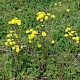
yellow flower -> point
(40, 16)
(14, 42)
(17, 49)
(46, 17)
(39, 45)
(41, 20)
(6, 43)
(52, 16)
(68, 10)
(29, 37)
(18, 22)
(59, 3)
(73, 32)
(31, 30)
(15, 21)
(34, 32)
(16, 36)
(43, 33)
(77, 38)
(77, 41)
(11, 22)
(30, 41)
(16, 46)
(48, 14)
(66, 35)
(12, 39)
(21, 47)
(55, 4)
(52, 42)
(37, 18)
(10, 42)
(42, 25)
(37, 26)
(41, 13)
(9, 35)
(13, 48)
(70, 34)
(11, 31)
(32, 35)
(67, 29)
(76, 34)
(19, 9)
(27, 31)
(73, 38)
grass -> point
(50, 62)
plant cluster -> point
(41, 42)
(73, 34)
(43, 16)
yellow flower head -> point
(17, 49)
(55, 4)
(70, 34)
(9, 35)
(52, 16)
(30, 41)
(39, 45)
(43, 25)
(15, 35)
(11, 31)
(31, 30)
(77, 38)
(41, 20)
(73, 32)
(27, 31)
(34, 32)
(19, 9)
(17, 46)
(68, 10)
(11, 43)
(32, 35)
(13, 48)
(15, 21)
(14, 42)
(29, 37)
(37, 26)
(77, 41)
(43, 33)
(52, 42)
(40, 16)
(67, 29)
(6, 43)
(46, 17)
(59, 2)
(8, 40)
(21, 47)
(39, 13)
(48, 14)
(66, 35)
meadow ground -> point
(39, 39)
